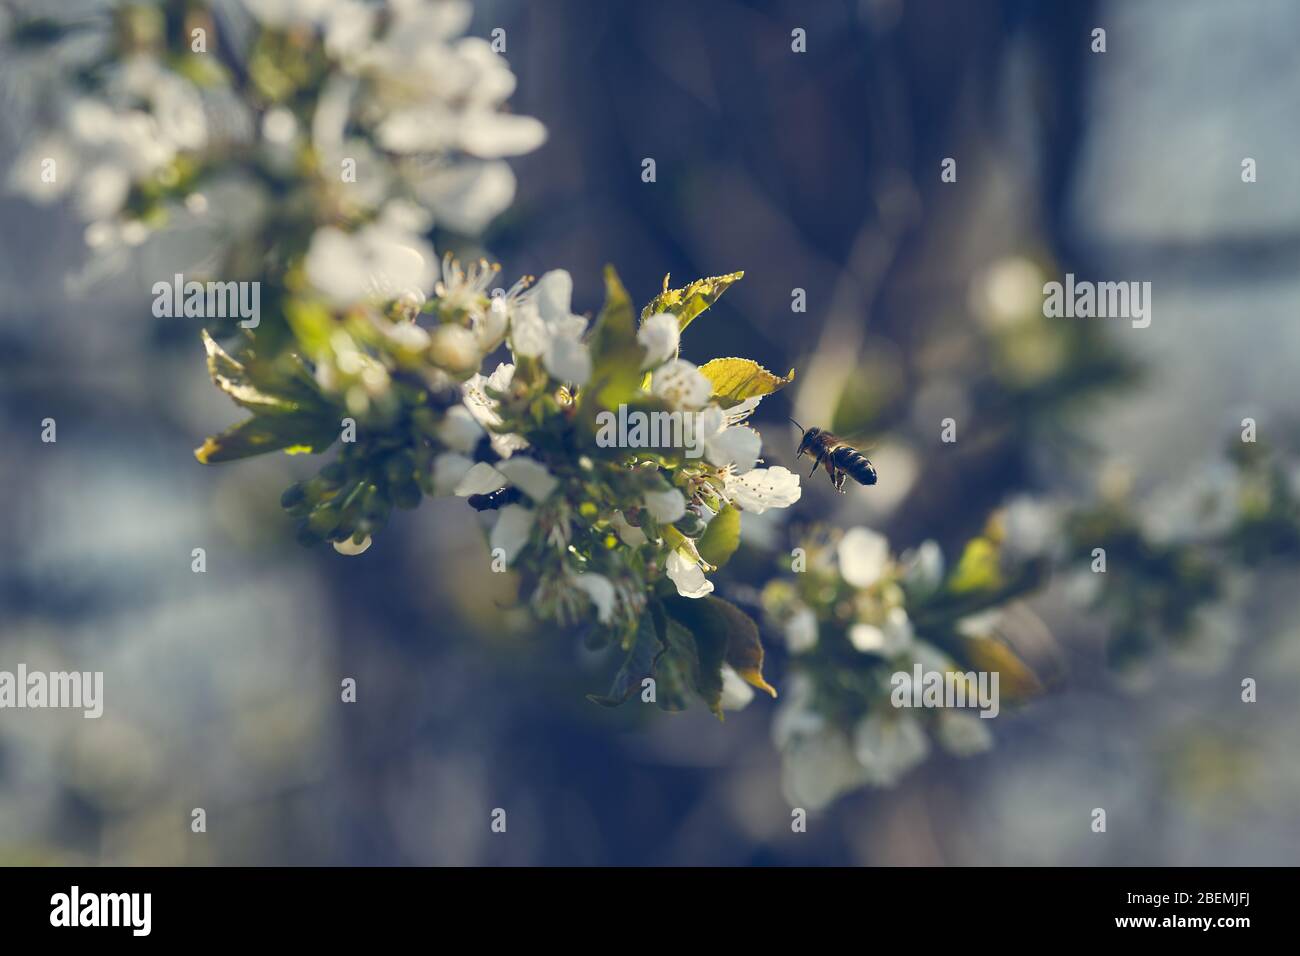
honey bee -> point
(841, 460)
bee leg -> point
(814, 469)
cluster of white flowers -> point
(539, 324)
(822, 759)
(141, 136)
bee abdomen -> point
(855, 464)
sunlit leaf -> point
(722, 537)
(978, 568)
(687, 303)
(736, 379)
(615, 353)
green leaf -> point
(638, 665)
(616, 355)
(690, 662)
(721, 538)
(263, 433)
(978, 568)
(689, 302)
(1016, 680)
(284, 385)
(722, 633)
(736, 379)
(233, 378)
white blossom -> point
(665, 506)
(458, 430)
(863, 556)
(801, 630)
(599, 589)
(659, 335)
(685, 572)
(736, 693)
(541, 324)
(762, 488)
(510, 533)
(481, 479)
(963, 734)
(887, 746)
(377, 263)
(449, 469)
(631, 536)
(683, 386)
(484, 408)
(529, 476)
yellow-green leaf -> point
(615, 353)
(688, 302)
(264, 433)
(233, 378)
(715, 622)
(1016, 680)
(978, 568)
(721, 538)
(736, 379)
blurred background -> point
(817, 171)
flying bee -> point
(840, 459)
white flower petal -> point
(742, 410)
(801, 631)
(552, 295)
(659, 335)
(666, 506)
(529, 334)
(567, 360)
(482, 479)
(529, 476)
(448, 472)
(511, 532)
(459, 430)
(465, 197)
(736, 694)
(681, 385)
(887, 746)
(491, 135)
(763, 488)
(631, 536)
(349, 548)
(737, 446)
(601, 592)
(867, 638)
(863, 556)
(923, 567)
(684, 572)
(963, 734)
